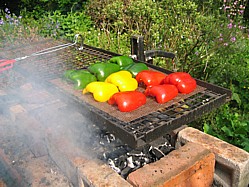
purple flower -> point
(225, 44)
(233, 39)
(230, 25)
(7, 16)
(227, 7)
(221, 37)
(1, 22)
(16, 21)
(241, 12)
(241, 27)
(6, 10)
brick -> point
(7, 167)
(2, 93)
(232, 163)
(82, 171)
(16, 109)
(27, 87)
(44, 173)
(63, 153)
(2, 184)
(190, 165)
(97, 174)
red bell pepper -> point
(128, 100)
(163, 92)
(150, 77)
(182, 80)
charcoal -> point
(122, 162)
(126, 171)
(157, 153)
(146, 149)
(130, 162)
(111, 163)
(142, 161)
(166, 149)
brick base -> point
(191, 165)
(232, 163)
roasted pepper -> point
(122, 61)
(123, 80)
(163, 92)
(101, 91)
(182, 80)
(128, 101)
(150, 77)
(103, 70)
(136, 68)
(80, 78)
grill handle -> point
(138, 53)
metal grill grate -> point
(142, 129)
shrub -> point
(12, 28)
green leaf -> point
(236, 97)
(206, 128)
(227, 131)
(245, 145)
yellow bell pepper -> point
(123, 80)
(101, 91)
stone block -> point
(232, 163)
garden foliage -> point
(209, 37)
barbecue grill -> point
(136, 128)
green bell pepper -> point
(122, 61)
(103, 70)
(80, 78)
(135, 68)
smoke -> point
(41, 116)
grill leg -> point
(137, 47)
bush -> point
(13, 29)
(228, 125)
